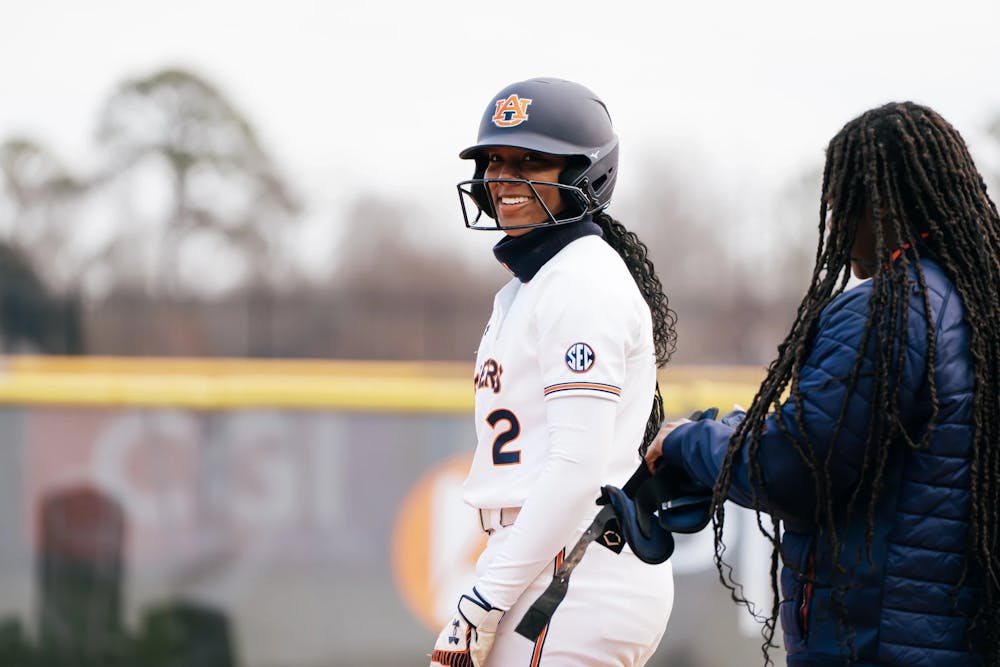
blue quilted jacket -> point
(905, 606)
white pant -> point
(614, 613)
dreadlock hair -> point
(910, 172)
(635, 254)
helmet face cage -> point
(553, 117)
(474, 196)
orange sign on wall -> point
(435, 543)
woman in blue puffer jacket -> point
(873, 444)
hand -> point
(469, 635)
(735, 416)
(656, 447)
(655, 450)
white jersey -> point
(579, 327)
(565, 382)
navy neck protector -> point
(525, 255)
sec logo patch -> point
(580, 357)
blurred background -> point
(239, 309)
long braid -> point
(908, 169)
(781, 372)
(635, 254)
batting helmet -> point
(648, 521)
(665, 503)
(555, 117)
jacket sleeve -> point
(802, 439)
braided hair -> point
(635, 254)
(909, 172)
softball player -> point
(566, 395)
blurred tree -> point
(40, 261)
(407, 299)
(31, 318)
(683, 220)
(796, 231)
(690, 232)
(228, 208)
(733, 267)
(42, 201)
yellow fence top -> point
(369, 386)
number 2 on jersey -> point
(500, 457)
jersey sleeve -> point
(583, 332)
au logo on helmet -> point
(511, 111)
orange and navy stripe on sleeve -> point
(587, 386)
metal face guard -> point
(474, 197)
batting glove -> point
(469, 636)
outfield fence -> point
(268, 513)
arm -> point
(789, 477)
(580, 430)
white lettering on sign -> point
(148, 461)
(257, 469)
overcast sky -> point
(380, 96)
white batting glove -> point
(469, 635)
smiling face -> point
(516, 203)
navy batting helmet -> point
(555, 117)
